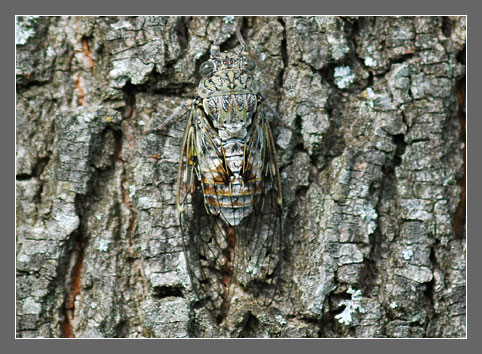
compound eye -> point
(249, 65)
(206, 68)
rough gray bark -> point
(373, 175)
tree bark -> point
(373, 175)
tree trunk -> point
(373, 175)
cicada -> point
(229, 193)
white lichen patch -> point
(281, 320)
(407, 254)
(103, 246)
(369, 215)
(229, 19)
(23, 29)
(343, 76)
(338, 46)
(351, 307)
(252, 269)
(369, 61)
(50, 52)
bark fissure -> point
(73, 286)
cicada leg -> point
(171, 117)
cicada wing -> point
(187, 201)
(259, 236)
(207, 239)
(188, 167)
(206, 250)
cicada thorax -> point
(230, 178)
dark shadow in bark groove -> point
(250, 328)
(167, 291)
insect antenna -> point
(240, 39)
(215, 49)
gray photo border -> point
(304, 7)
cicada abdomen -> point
(229, 193)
